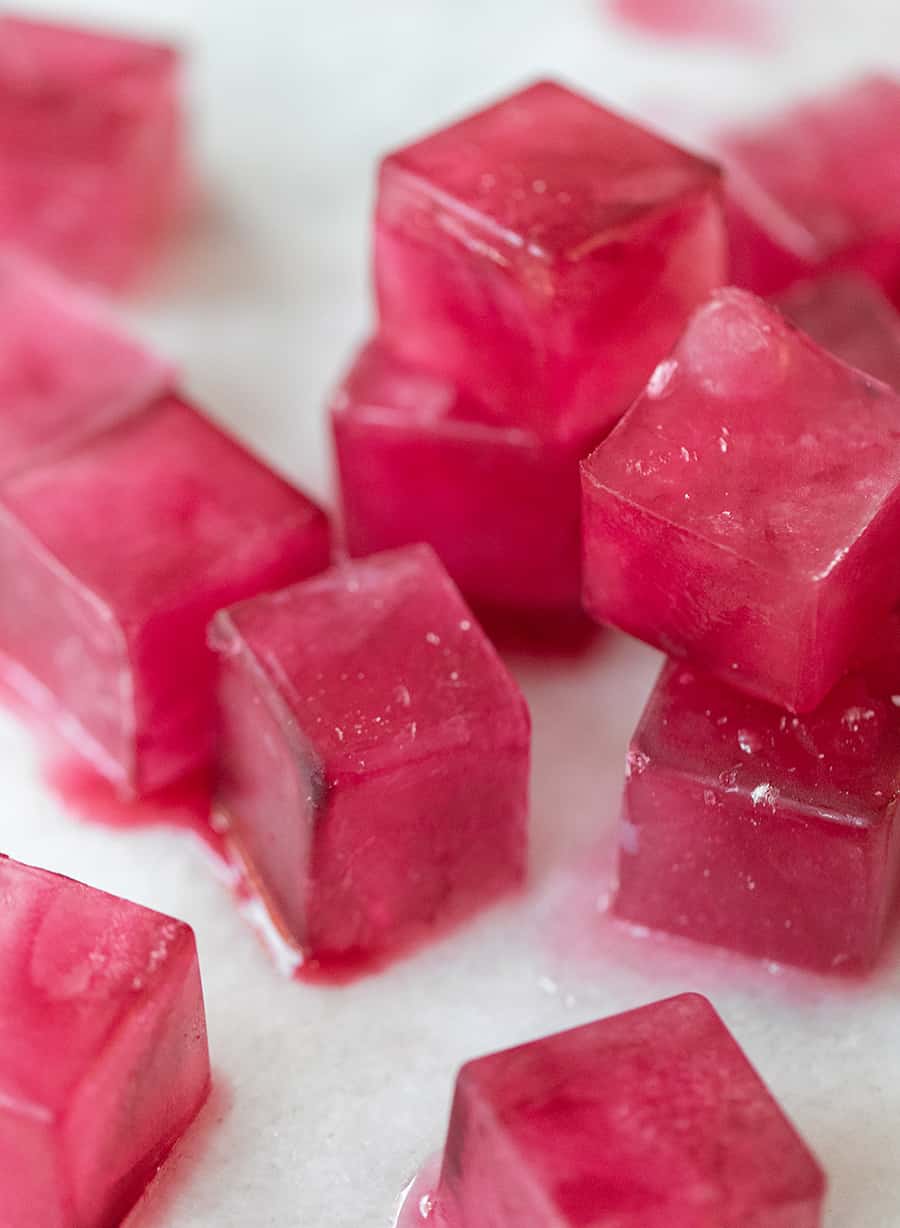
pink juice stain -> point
(741, 22)
(186, 805)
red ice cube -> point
(113, 559)
(91, 146)
(818, 186)
(544, 254)
(649, 1119)
(745, 513)
(103, 1054)
(763, 832)
(419, 461)
(66, 372)
(373, 762)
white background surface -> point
(329, 1099)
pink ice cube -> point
(764, 832)
(650, 1119)
(114, 557)
(850, 316)
(418, 461)
(818, 186)
(91, 158)
(745, 513)
(66, 371)
(373, 762)
(544, 254)
(103, 1054)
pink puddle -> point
(734, 21)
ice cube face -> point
(745, 513)
(91, 146)
(763, 832)
(103, 1052)
(818, 186)
(66, 372)
(115, 556)
(543, 254)
(850, 316)
(418, 461)
(650, 1119)
(373, 760)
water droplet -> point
(661, 378)
(748, 741)
(765, 795)
(635, 762)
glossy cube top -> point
(543, 254)
(850, 316)
(103, 1053)
(549, 172)
(823, 180)
(66, 371)
(409, 673)
(650, 1119)
(746, 510)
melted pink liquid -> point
(584, 936)
(735, 21)
(418, 1203)
(185, 805)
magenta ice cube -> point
(103, 1054)
(418, 461)
(649, 1119)
(745, 513)
(544, 254)
(66, 371)
(115, 556)
(818, 186)
(91, 146)
(373, 764)
(850, 316)
(764, 832)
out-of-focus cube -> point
(373, 763)
(763, 832)
(544, 254)
(818, 186)
(850, 316)
(649, 1119)
(418, 461)
(745, 513)
(92, 165)
(103, 1054)
(66, 372)
(113, 559)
